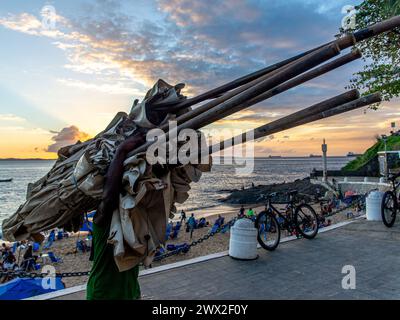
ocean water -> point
(212, 187)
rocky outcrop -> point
(306, 190)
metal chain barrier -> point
(186, 248)
(24, 274)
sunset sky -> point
(61, 84)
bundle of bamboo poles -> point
(270, 81)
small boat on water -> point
(6, 180)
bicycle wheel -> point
(389, 209)
(306, 221)
(268, 231)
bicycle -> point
(390, 202)
(301, 219)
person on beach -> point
(241, 212)
(175, 230)
(9, 261)
(250, 213)
(183, 216)
(4, 250)
(191, 225)
(169, 229)
(202, 223)
(29, 260)
(105, 281)
(220, 221)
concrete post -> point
(325, 168)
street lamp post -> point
(384, 139)
(325, 168)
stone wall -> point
(362, 187)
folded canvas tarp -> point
(75, 185)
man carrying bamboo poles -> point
(106, 282)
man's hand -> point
(113, 185)
(134, 141)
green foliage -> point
(381, 53)
(392, 143)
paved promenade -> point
(300, 269)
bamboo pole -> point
(209, 105)
(359, 103)
(356, 54)
(314, 73)
(297, 68)
(378, 28)
(216, 92)
(273, 126)
(313, 114)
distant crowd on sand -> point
(192, 223)
(27, 256)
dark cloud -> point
(204, 43)
(65, 137)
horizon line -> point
(263, 157)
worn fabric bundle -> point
(75, 185)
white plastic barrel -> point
(373, 206)
(243, 240)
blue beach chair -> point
(35, 247)
(159, 252)
(214, 228)
(225, 229)
(48, 244)
(53, 258)
(168, 230)
(177, 228)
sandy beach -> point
(77, 261)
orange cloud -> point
(66, 137)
